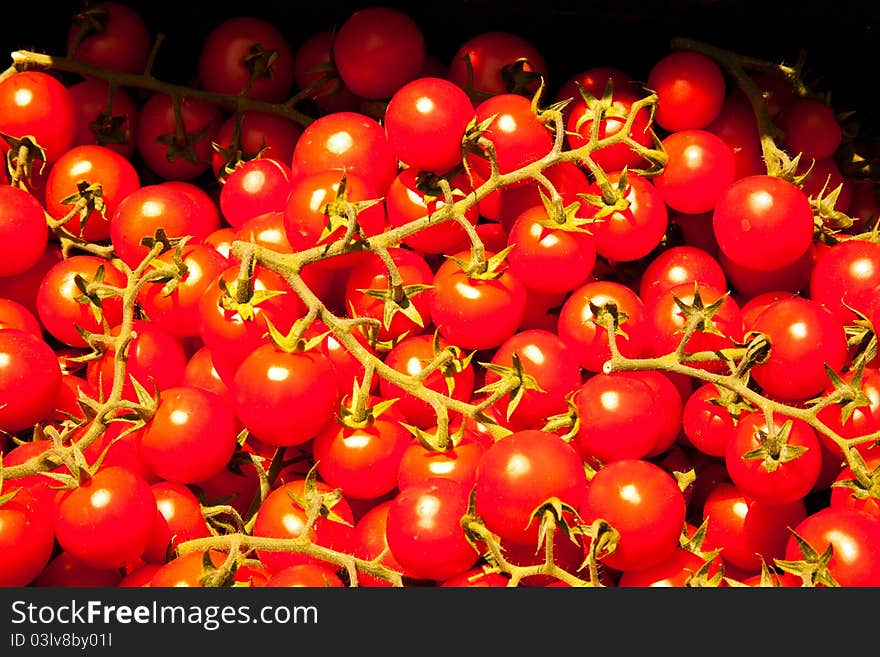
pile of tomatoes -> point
(341, 313)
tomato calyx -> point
(483, 269)
(397, 298)
(513, 381)
(108, 129)
(218, 576)
(169, 274)
(866, 484)
(828, 220)
(240, 297)
(613, 198)
(553, 514)
(180, 143)
(20, 158)
(259, 62)
(342, 214)
(518, 79)
(774, 449)
(92, 293)
(86, 199)
(90, 20)
(845, 393)
(317, 504)
(813, 568)
(294, 341)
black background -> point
(839, 36)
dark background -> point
(839, 36)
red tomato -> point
(579, 127)
(410, 356)
(15, 316)
(166, 153)
(763, 222)
(36, 104)
(630, 234)
(690, 90)
(261, 134)
(83, 166)
(23, 287)
(516, 133)
(493, 56)
(737, 127)
(674, 571)
(549, 361)
(23, 232)
(377, 50)
(406, 202)
(347, 141)
(707, 425)
(474, 313)
(305, 575)
(368, 541)
(578, 327)
(775, 476)
(65, 570)
(115, 129)
(862, 419)
(186, 570)
(178, 519)
(520, 472)
(851, 495)
(110, 35)
(173, 305)
(644, 504)
(155, 359)
(810, 127)
(747, 530)
(372, 274)
(145, 210)
(805, 337)
(424, 531)
(106, 522)
(459, 462)
(678, 265)
(699, 168)
(191, 436)
(247, 55)
(546, 256)
(30, 379)
(255, 187)
(312, 62)
(27, 538)
(845, 276)
(854, 538)
(361, 461)
(284, 398)
(282, 515)
(425, 122)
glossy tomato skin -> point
(738, 129)
(27, 538)
(748, 530)
(179, 519)
(425, 122)
(225, 54)
(95, 165)
(549, 360)
(459, 462)
(474, 313)
(674, 571)
(377, 50)
(854, 537)
(547, 258)
(700, 166)
(348, 141)
(630, 234)
(255, 187)
(177, 312)
(489, 53)
(361, 461)
(762, 222)
(107, 522)
(410, 356)
(805, 337)
(38, 104)
(305, 575)
(261, 133)
(644, 504)
(690, 89)
(15, 315)
(280, 516)
(617, 415)
(145, 210)
(517, 135)
(369, 540)
(844, 496)
(405, 203)
(769, 479)
(706, 424)
(191, 436)
(30, 379)
(845, 276)
(678, 265)
(371, 273)
(185, 570)
(284, 398)
(313, 57)
(520, 472)
(809, 127)
(23, 231)
(424, 530)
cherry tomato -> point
(678, 265)
(810, 127)
(520, 472)
(690, 90)
(312, 62)
(845, 277)
(493, 57)
(255, 187)
(110, 35)
(115, 129)
(23, 232)
(261, 134)
(30, 379)
(377, 50)
(27, 538)
(179, 518)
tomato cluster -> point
(341, 313)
